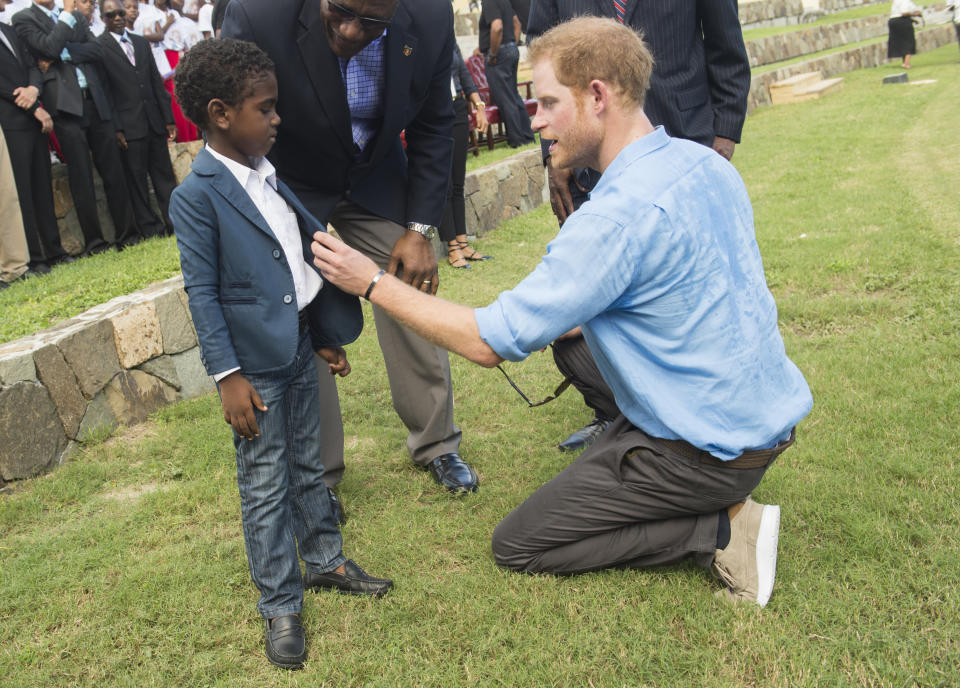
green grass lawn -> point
(126, 566)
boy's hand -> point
(336, 359)
(238, 398)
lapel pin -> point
(407, 51)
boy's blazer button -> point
(288, 298)
(276, 253)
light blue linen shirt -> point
(661, 268)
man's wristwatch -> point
(428, 232)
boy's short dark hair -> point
(223, 68)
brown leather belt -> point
(750, 459)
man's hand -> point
(724, 146)
(46, 121)
(558, 179)
(238, 398)
(122, 141)
(171, 132)
(25, 96)
(413, 256)
(347, 268)
(336, 359)
(482, 124)
(43, 64)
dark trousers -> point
(108, 159)
(628, 500)
(502, 79)
(150, 156)
(72, 134)
(30, 159)
(454, 220)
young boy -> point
(260, 309)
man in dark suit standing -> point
(698, 91)
(144, 118)
(25, 124)
(73, 92)
(498, 37)
(352, 75)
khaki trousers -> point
(14, 254)
(418, 371)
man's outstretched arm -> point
(448, 325)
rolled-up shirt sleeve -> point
(576, 280)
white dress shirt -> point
(260, 183)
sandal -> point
(459, 262)
(474, 253)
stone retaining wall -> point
(122, 360)
(786, 46)
(872, 55)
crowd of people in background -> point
(89, 83)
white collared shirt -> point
(260, 183)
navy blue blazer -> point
(240, 288)
(701, 73)
(315, 152)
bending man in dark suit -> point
(144, 117)
(352, 75)
(25, 124)
(698, 91)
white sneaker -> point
(748, 564)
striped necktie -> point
(621, 7)
(128, 49)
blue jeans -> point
(283, 500)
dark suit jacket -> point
(88, 55)
(315, 151)
(16, 71)
(47, 38)
(141, 104)
(701, 74)
(237, 277)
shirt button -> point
(287, 298)
(276, 253)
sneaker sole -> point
(767, 540)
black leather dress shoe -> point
(453, 473)
(586, 435)
(353, 581)
(65, 259)
(3, 285)
(39, 268)
(336, 506)
(285, 643)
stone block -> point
(176, 330)
(136, 332)
(133, 395)
(99, 416)
(164, 368)
(32, 433)
(900, 78)
(194, 381)
(62, 386)
(17, 366)
(181, 155)
(91, 352)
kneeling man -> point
(661, 270)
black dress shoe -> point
(453, 473)
(336, 506)
(353, 581)
(3, 285)
(65, 259)
(39, 268)
(586, 435)
(285, 643)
